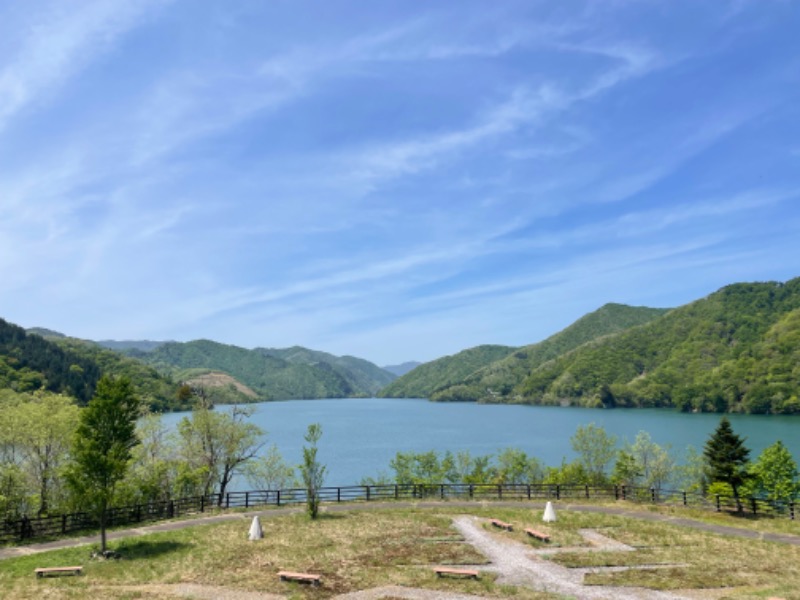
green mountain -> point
(497, 381)
(735, 350)
(157, 391)
(30, 362)
(402, 368)
(122, 346)
(272, 374)
(443, 372)
(359, 373)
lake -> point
(361, 435)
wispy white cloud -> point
(60, 41)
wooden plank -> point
(42, 571)
(538, 535)
(459, 572)
(502, 524)
(302, 577)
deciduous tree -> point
(313, 472)
(595, 449)
(102, 446)
(774, 474)
(220, 442)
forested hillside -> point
(736, 350)
(402, 368)
(359, 373)
(443, 372)
(157, 392)
(29, 362)
(497, 381)
(272, 374)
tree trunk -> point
(103, 530)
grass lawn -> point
(360, 550)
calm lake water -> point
(360, 436)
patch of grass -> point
(361, 550)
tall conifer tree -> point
(727, 458)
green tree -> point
(41, 430)
(515, 466)
(270, 471)
(691, 474)
(653, 462)
(313, 472)
(626, 470)
(774, 475)
(102, 446)
(595, 450)
(219, 442)
(727, 458)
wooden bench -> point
(42, 571)
(301, 577)
(502, 524)
(457, 572)
(538, 535)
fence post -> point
(202, 503)
(63, 523)
(338, 494)
(228, 500)
(171, 509)
(616, 492)
(247, 499)
(653, 495)
(499, 491)
(753, 504)
(624, 492)
(367, 488)
(278, 498)
(718, 507)
(441, 491)
(587, 491)
(558, 491)
(791, 510)
(684, 499)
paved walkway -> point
(345, 507)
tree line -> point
(56, 457)
(722, 467)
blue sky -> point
(392, 180)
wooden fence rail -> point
(27, 529)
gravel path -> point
(515, 564)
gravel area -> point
(516, 564)
(396, 591)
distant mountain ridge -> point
(402, 368)
(291, 373)
(498, 381)
(123, 345)
(736, 350)
(448, 370)
(490, 373)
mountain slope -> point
(158, 392)
(735, 350)
(359, 373)
(29, 362)
(442, 372)
(272, 374)
(496, 382)
(402, 368)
